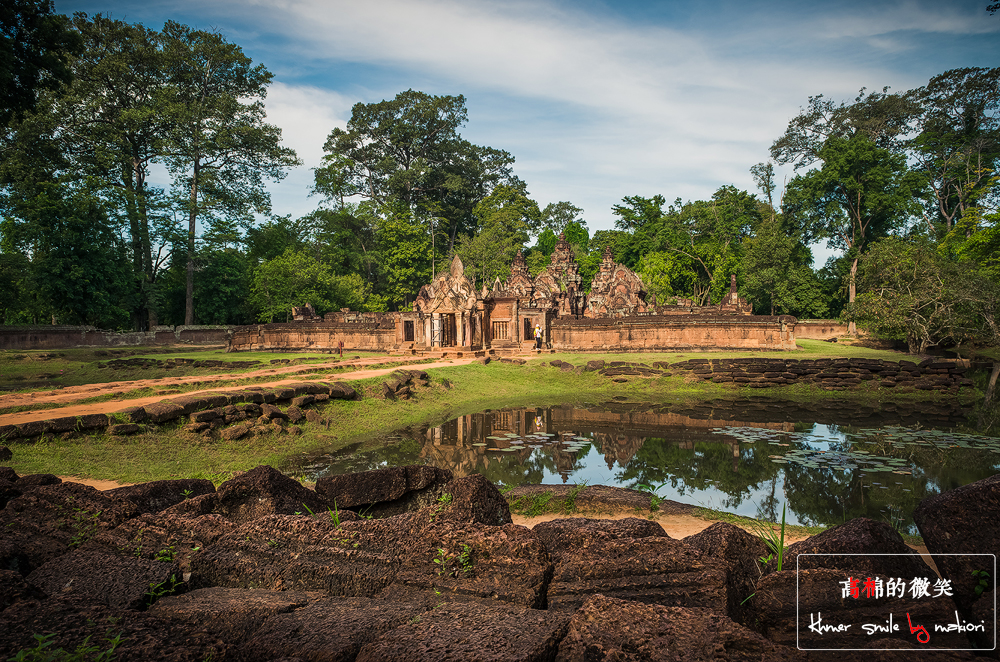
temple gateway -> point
(450, 316)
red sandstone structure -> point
(450, 315)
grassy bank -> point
(49, 369)
(168, 452)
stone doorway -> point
(449, 334)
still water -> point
(827, 463)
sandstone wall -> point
(663, 332)
(820, 329)
(377, 336)
(63, 337)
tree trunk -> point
(192, 219)
(991, 387)
(852, 287)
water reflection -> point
(727, 455)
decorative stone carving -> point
(450, 294)
(559, 286)
(616, 291)
(733, 302)
(519, 284)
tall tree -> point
(958, 147)
(860, 193)
(113, 125)
(221, 149)
(915, 292)
(505, 219)
(557, 215)
(408, 151)
(881, 117)
(35, 48)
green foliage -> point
(775, 540)
(222, 290)
(403, 254)
(220, 148)
(36, 46)
(295, 279)
(166, 555)
(777, 276)
(504, 219)
(557, 216)
(982, 579)
(654, 498)
(957, 150)
(913, 291)
(83, 526)
(443, 502)
(454, 565)
(85, 652)
(158, 590)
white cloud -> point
(306, 115)
(593, 106)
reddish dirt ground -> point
(67, 396)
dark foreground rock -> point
(266, 569)
(605, 629)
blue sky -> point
(595, 100)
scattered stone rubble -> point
(402, 383)
(264, 569)
(829, 374)
(244, 411)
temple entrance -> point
(529, 333)
(449, 332)
(407, 331)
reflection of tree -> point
(767, 509)
(707, 465)
(827, 497)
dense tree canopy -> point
(904, 185)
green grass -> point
(171, 453)
(46, 369)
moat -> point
(827, 462)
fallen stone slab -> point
(739, 553)
(95, 577)
(965, 520)
(607, 629)
(597, 558)
(385, 492)
(159, 495)
(328, 629)
(463, 631)
(234, 614)
(162, 412)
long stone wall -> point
(820, 329)
(376, 336)
(65, 336)
(667, 332)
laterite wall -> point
(314, 336)
(668, 332)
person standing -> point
(538, 336)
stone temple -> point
(450, 316)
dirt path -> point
(93, 390)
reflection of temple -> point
(472, 443)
